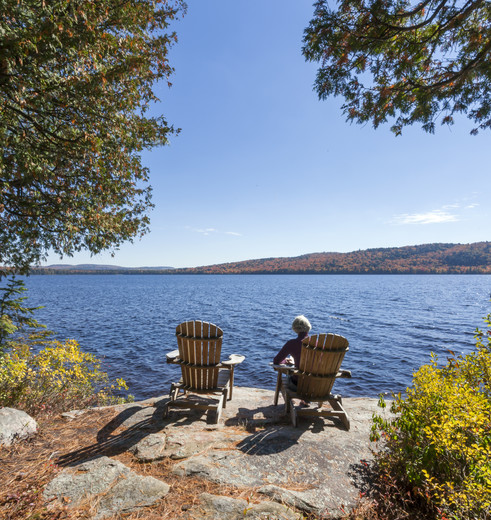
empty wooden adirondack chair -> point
(320, 362)
(199, 348)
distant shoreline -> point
(175, 272)
(422, 259)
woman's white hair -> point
(301, 324)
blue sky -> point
(262, 168)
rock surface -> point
(15, 425)
(107, 485)
(318, 467)
(289, 498)
(214, 507)
(150, 448)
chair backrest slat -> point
(320, 361)
(200, 348)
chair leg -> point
(342, 415)
(286, 398)
(293, 414)
(278, 388)
(231, 384)
(225, 392)
(221, 404)
(174, 391)
(218, 414)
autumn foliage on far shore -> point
(422, 259)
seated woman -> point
(293, 347)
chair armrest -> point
(173, 356)
(234, 359)
(344, 374)
(285, 369)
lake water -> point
(392, 322)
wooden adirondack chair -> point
(320, 362)
(199, 348)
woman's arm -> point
(285, 351)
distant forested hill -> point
(97, 269)
(427, 258)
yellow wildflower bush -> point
(40, 374)
(438, 447)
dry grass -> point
(26, 467)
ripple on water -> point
(392, 322)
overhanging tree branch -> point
(75, 82)
(423, 62)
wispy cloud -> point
(206, 231)
(447, 213)
(212, 231)
(437, 216)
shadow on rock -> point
(277, 439)
(193, 407)
(252, 418)
(110, 443)
(364, 476)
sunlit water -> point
(392, 322)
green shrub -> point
(14, 315)
(42, 375)
(438, 448)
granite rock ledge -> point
(317, 467)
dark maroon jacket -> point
(293, 348)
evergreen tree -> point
(410, 62)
